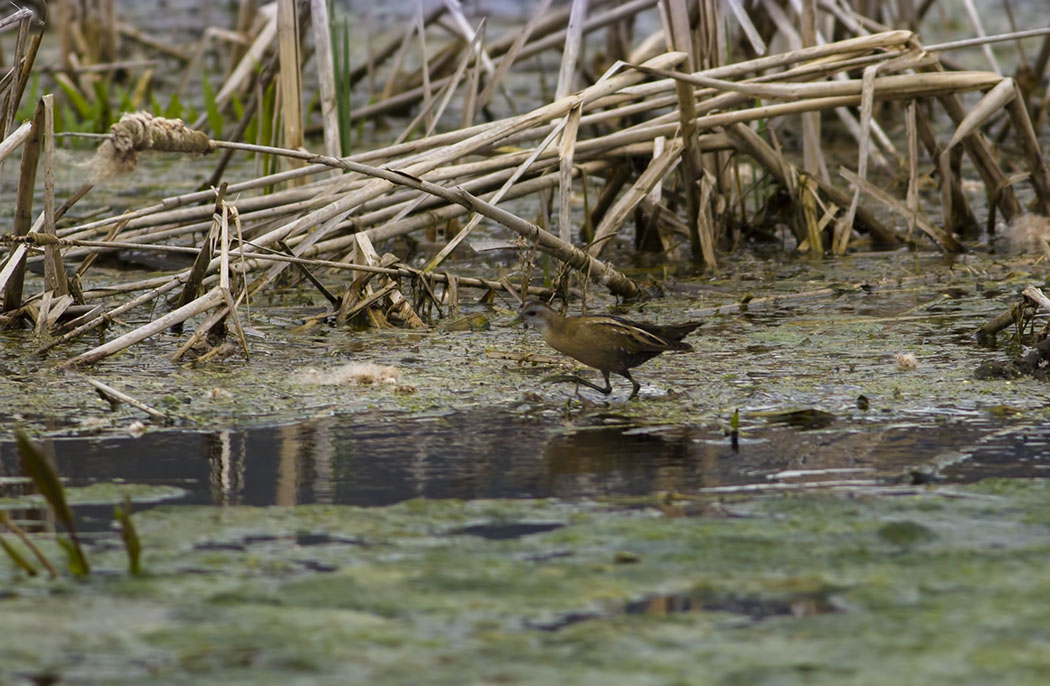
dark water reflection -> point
(378, 461)
(498, 454)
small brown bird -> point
(609, 344)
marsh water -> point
(810, 367)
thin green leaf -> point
(124, 96)
(78, 564)
(37, 467)
(103, 113)
(6, 520)
(174, 110)
(25, 111)
(211, 107)
(16, 557)
(79, 102)
(130, 536)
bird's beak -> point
(517, 320)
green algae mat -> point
(907, 586)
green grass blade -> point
(130, 536)
(78, 564)
(9, 523)
(37, 467)
(28, 106)
(174, 110)
(79, 102)
(16, 557)
(211, 107)
(103, 113)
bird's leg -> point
(637, 386)
(578, 380)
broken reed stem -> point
(202, 304)
(123, 397)
(24, 209)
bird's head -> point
(537, 315)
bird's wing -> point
(630, 335)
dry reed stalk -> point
(244, 69)
(326, 76)
(912, 196)
(675, 16)
(170, 210)
(128, 31)
(571, 52)
(844, 228)
(195, 277)
(747, 26)
(11, 266)
(62, 12)
(210, 36)
(749, 142)
(980, 152)
(7, 108)
(660, 167)
(23, 210)
(24, 70)
(289, 77)
(449, 212)
(435, 261)
(54, 272)
(20, 16)
(427, 65)
(496, 78)
(15, 139)
(378, 56)
(399, 305)
(202, 304)
(113, 394)
(158, 287)
(566, 152)
(1040, 175)
(960, 206)
(246, 12)
(474, 47)
(943, 237)
(975, 20)
(1037, 296)
(427, 112)
(812, 158)
(389, 103)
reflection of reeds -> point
(678, 136)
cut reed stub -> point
(142, 131)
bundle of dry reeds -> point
(688, 147)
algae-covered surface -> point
(935, 586)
